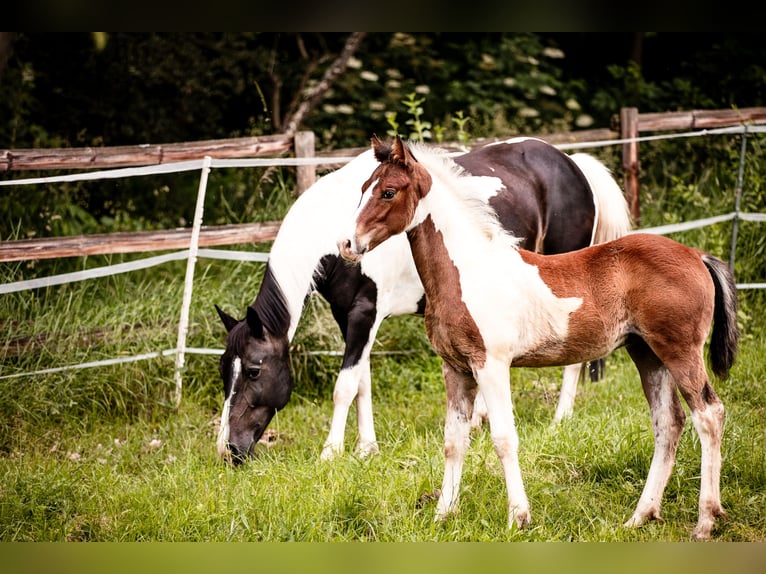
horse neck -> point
(309, 232)
(450, 234)
(292, 284)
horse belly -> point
(587, 340)
(561, 355)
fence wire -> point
(191, 254)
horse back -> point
(545, 199)
(636, 279)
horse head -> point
(256, 383)
(390, 197)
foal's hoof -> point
(705, 524)
(520, 517)
(639, 519)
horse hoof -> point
(330, 452)
(367, 449)
(521, 518)
(702, 533)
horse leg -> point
(667, 421)
(346, 388)
(480, 413)
(366, 444)
(495, 386)
(568, 392)
(354, 382)
(707, 414)
(461, 393)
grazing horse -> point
(491, 305)
(554, 201)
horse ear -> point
(228, 321)
(381, 150)
(401, 153)
(254, 322)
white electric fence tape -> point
(191, 254)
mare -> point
(556, 202)
(491, 305)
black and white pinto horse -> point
(555, 202)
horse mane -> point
(468, 189)
(271, 306)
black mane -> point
(271, 307)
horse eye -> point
(252, 372)
(388, 194)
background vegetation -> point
(94, 89)
(101, 454)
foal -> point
(491, 305)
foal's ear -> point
(254, 322)
(381, 150)
(228, 321)
(400, 153)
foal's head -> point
(389, 198)
(256, 383)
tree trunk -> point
(353, 42)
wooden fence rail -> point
(628, 126)
(135, 242)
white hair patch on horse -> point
(223, 431)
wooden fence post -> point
(304, 147)
(630, 163)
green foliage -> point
(101, 454)
(696, 178)
(95, 89)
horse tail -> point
(612, 211)
(725, 337)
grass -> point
(101, 454)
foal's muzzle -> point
(348, 253)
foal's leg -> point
(461, 393)
(495, 385)
(667, 421)
(480, 413)
(707, 416)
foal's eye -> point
(388, 193)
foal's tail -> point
(612, 211)
(725, 338)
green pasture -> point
(102, 454)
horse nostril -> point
(234, 456)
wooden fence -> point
(627, 127)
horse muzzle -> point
(348, 252)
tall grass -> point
(101, 454)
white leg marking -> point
(346, 388)
(353, 383)
(495, 385)
(709, 426)
(367, 443)
(457, 429)
(667, 432)
(568, 392)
